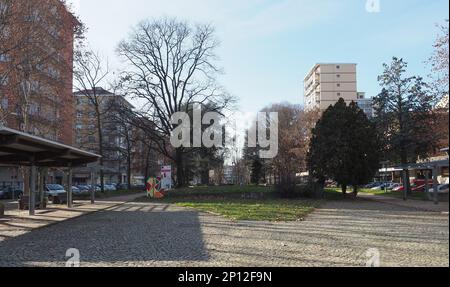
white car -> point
(110, 187)
(441, 189)
(56, 193)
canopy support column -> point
(92, 189)
(69, 187)
(435, 185)
(405, 184)
(32, 199)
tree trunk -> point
(147, 164)
(355, 191)
(404, 160)
(180, 170)
(129, 170)
(100, 146)
(344, 189)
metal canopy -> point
(18, 148)
(426, 165)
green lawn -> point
(239, 203)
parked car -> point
(373, 184)
(421, 182)
(443, 188)
(394, 186)
(140, 187)
(10, 193)
(122, 186)
(75, 190)
(56, 193)
(84, 188)
(382, 186)
(110, 187)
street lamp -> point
(385, 165)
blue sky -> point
(268, 46)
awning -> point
(18, 148)
(425, 165)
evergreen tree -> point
(404, 116)
(344, 147)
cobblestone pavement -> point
(421, 205)
(144, 234)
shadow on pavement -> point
(128, 233)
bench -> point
(24, 202)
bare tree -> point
(89, 72)
(171, 65)
(128, 134)
(440, 63)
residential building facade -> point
(36, 67)
(121, 141)
(36, 71)
(325, 84)
(365, 104)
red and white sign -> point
(166, 177)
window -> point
(338, 75)
(80, 101)
(338, 94)
(34, 109)
(4, 58)
(79, 127)
(4, 80)
(91, 139)
(4, 103)
(79, 115)
(338, 67)
(3, 8)
(339, 85)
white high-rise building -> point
(366, 104)
(325, 84)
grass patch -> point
(236, 203)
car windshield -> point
(55, 187)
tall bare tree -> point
(90, 72)
(171, 65)
(440, 63)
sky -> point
(268, 46)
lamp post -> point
(385, 165)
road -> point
(145, 234)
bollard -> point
(2, 209)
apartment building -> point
(120, 140)
(365, 104)
(325, 84)
(36, 67)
